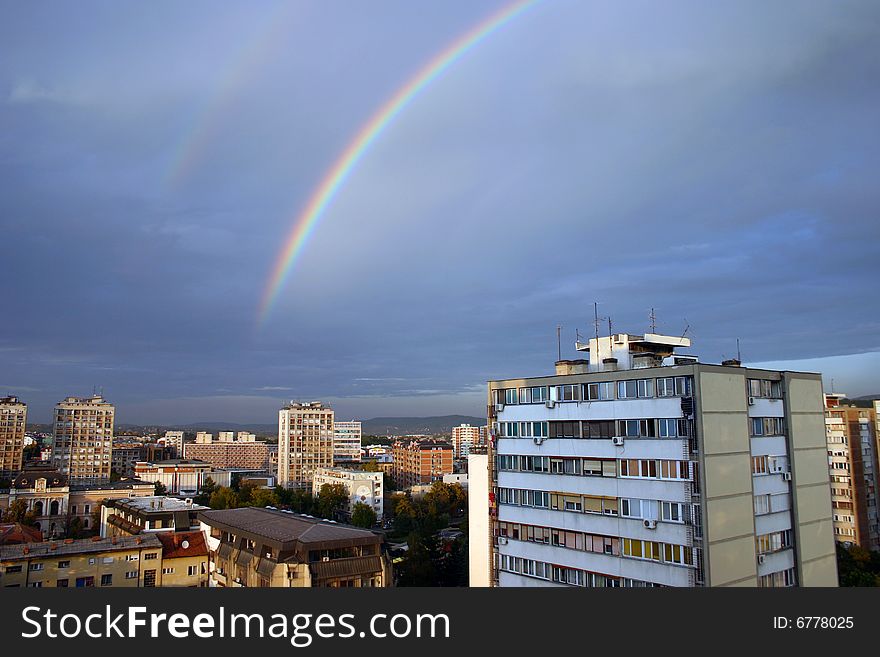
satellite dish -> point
(363, 491)
(185, 545)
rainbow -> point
(203, 129)
(336, 176)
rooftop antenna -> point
(559, 342)
(596, 319)
(653, 318)
(738, 353)
(686, 327)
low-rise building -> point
(363, 487)
(184, 558)
(132, 516)
(121, 562)
(179, 476)
(252, 547)
(243, 452)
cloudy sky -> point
(716, 163)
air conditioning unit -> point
(550, 403)
(325, 558)
(751, 401)
(502, 540)
(617, 440)
(786, 476)
(650, 524)
(499, 408)
(760, 558)
(538, 440)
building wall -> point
(305, 443)
(83, 438)
(13, 420)
(363, 487)
(246, 455)
(479, 544)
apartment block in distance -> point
(254, 547)
(420, 461)
(346, 442)
(465, 437)
(13, 419)
(83, 444)
(243, 451)
(305, 442)
(640, 467)
(853, 469)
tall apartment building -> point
(639, 467)
(346, 442)
(244, 452)
(13, 419)
(175, 440)
(465, 437)
(419, 461)
(305, 442)
(853, 470)
(83, 443)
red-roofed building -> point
(15, 533)
(184, 558)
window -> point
(510, 396)
(131, 574)
(667, 428)
(600, 391)
(599, 429)
(107, 580)
(168, 571)
(85, 582)
(150, 555)
(759, 465)
(13, 569)
(35, 567)
(132, 557)
(672, 511)
(627, 389)
(192, 571)
(534, 395)
(568, 392)
(565, 429)
(762, 504)
(684, 386)
(666, 387)
(61, 584)
(646, 387)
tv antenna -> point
(559, 342)
(653, 319)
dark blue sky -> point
(718, 164)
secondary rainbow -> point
(323, 195)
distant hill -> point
(868, 397)
(398, 426)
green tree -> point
(332, 499)
(18, 512)
(419, 564)
(205, 492)
(362, 515)
(857, 566)
(301, 501)
(263, 497)
(160, 489)
(223, 498)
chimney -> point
(580, 366)
(731, 362)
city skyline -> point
(639, 157)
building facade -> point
(83, 438)
(244, 452)
(363, 487)
(175, 439)
(178, 476)
(13, 420)
(419, 461)
(155, 513)
(305, 442)
(346, 442)
(853, 469)
(254, 547)
(639, 467)
(465, 437)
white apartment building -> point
(639, 467)
(305, 442)
(464, 437)
(175, 439)
(346, 442)
(83, 431)
(364, 487)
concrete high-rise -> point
(465, 437)
(83, 430)
(641, 467)
(305, 442)
(346, 442)
(13, 419)
(853, 470)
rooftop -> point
(155, 503)
(287, 528)
(82, 546)
(183, 544)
